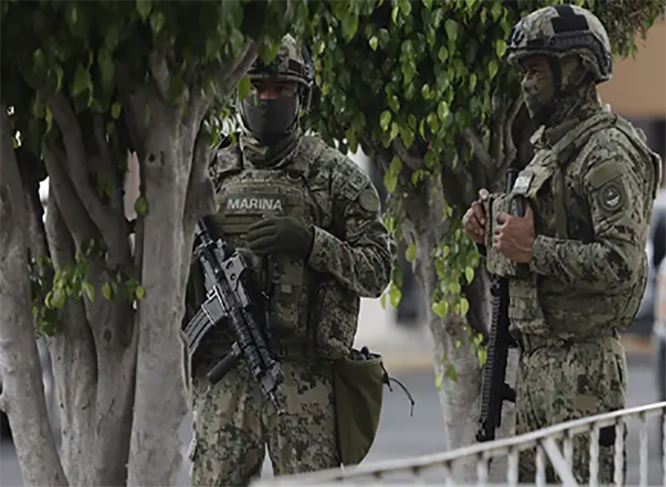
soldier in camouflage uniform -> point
(308, 219)
(576, 260)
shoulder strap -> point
(227, 160)
(566, 148)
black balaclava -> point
(270, 128)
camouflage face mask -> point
(538, 93)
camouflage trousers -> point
(234, 423)
(565, 382)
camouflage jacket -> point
(315, 302)
(591, 185)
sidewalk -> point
(410, 348)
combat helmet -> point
(559, 30)
(292, 63)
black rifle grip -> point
(222, 368)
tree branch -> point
(132, 96)
(119, 251)
(77, 219)
(76, 162)
(478, 149)
(159, 71)
(411, 161)
(200, 195)
(229, 76)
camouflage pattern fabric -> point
(233, 424)
(591, 186)
(592, 200)
(560, 382)
(313, 315)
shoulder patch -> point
(612, 196)
(369, 200)
(603, 173)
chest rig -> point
(244, 195)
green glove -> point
(280, 235)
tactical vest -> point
(244, 195)
(545, 306)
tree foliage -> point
(424, 89)
(83, 85)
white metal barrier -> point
(544, 440)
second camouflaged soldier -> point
(576, 261)
(308, 218)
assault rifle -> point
(231, 301)
(495, 389)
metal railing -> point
(545, 441)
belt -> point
(529, 343)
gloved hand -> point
(280, 235)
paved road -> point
(401, 436)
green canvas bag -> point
(358, 382)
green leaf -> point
(500, 47)
(443, 54)
(143, 7)
(441, 308)
(410, 253)
(464, 306)
(349, 27)
(394, 130)
(106, 67)
(493, 66)
(141, 205)
(482, 355)
(451, 372)
(382, 300)
(116, 108)
(472, 81)
(442, 110)
(469, 274)
(439, 378)
(156, 22)
(89, 290)
(373, 43)
(451, 27)
(496, 10)
(140, 292)
(427, 4)
(395, 295)
(108, 291)
(58, 298)
(384, 120)
(82, 81)
(457, 344)
(244, 87)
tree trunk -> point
(155, 451)
(96, 398)
(23, 392)
(459, 399)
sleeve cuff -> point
(322, 244)
(541, 252)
